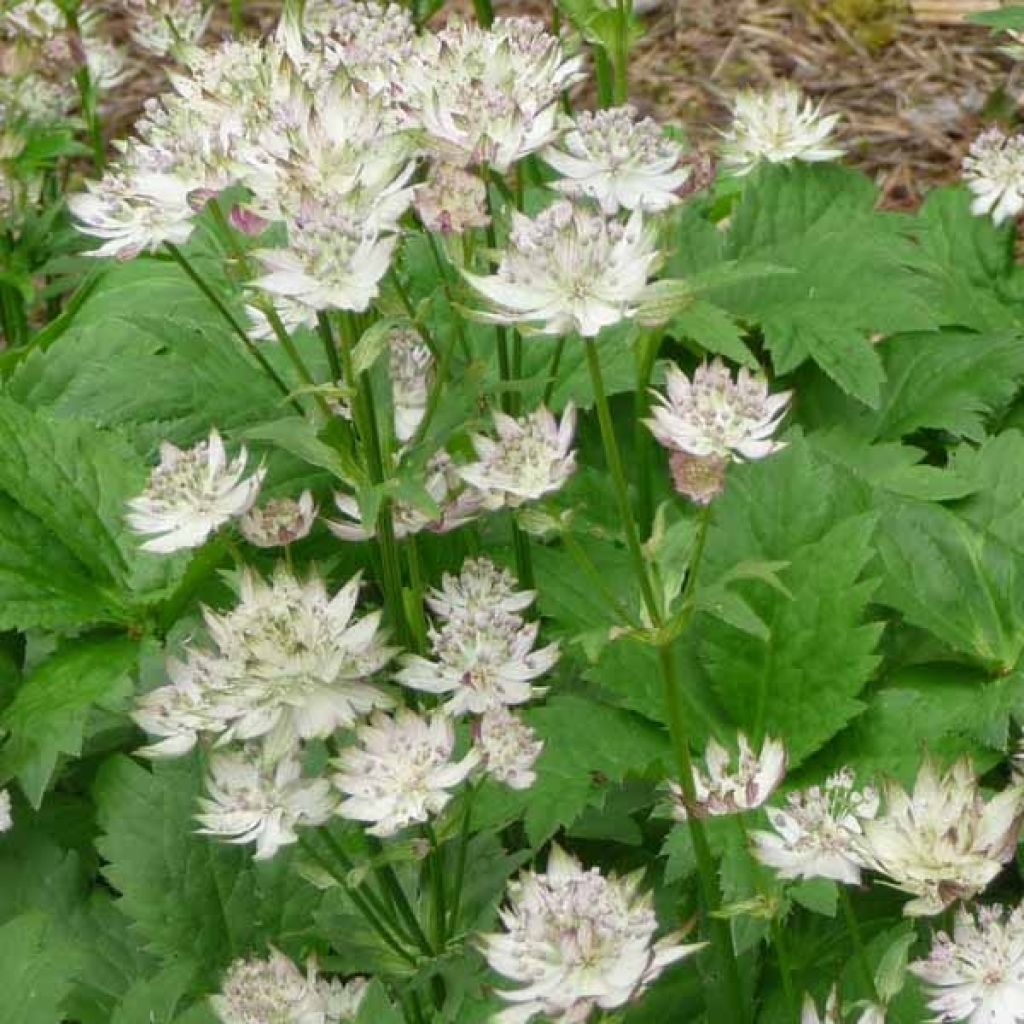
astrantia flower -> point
(568, 270)
(401, 770)
(252, 802)
(620, 161)
(191, 494)
(977, 975)
(509, 747)
(576, 941)
(714, 415)
(809, 1012)
(723, 789)
(294, 660)
(994, 172)
(943, 842)
(480, 586)
(134, 211)
(488, 96)
(451, 201)
(817, 831)
(411, 367)
(777, 126)
(275, 991)
(159, 27)
(279, 522)
(699, 478)
(529, 458)
(6, 821)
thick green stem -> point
(229, 318)
(719, 929)
(417, 617)
(605, 77)
(330, 348)
(438, 899)
(460, 864)
(643, 443)
(860, 953)
(621, 60)
(556, 362)
(484, 12)
(237, 16)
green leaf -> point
(51, 709)
(1010, 19)
(36, 967)
(185, 893)
(995, 472)
(156, 1000)
(962, 585)
(820, 895)
(948, 381)
(821, 222)
(714, 329)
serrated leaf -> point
(156, 1000)
(36, 967)
(187, 893)
(714, 329)
(819, 895)
(48, 715)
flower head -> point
(275, 991)
(777, 126)
(530, 457)
(160, 27)
(569, 270)
(412, 373)
(508, 747)
(488, 96)
(994, 172)
(400, 771)
(714, 415)
(723, 790)
(483, 650)
(699, 478)
(191, 494)
(620, 161)
(977, 975)
(250, 801)
(817, 831)
(576, 941)
(451, 201)
(943, 842)
(279, 522)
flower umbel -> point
(509, 748)
(576, 941)
(569, 270)
(620, 161)
(816, 833)
(279, 522)
(250, 801)
(723, 790)
(713, 415)
(943, 842)
(191, 494)
(994, 172)
(978, 974)
(400, 771)
(778, 126)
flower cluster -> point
(275, 990)
(994, 172)
(576, 940)
(484, 659)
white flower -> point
(484, 661)
(250, 801)
(159, 27)
(713, 415)
(293, 660)
(108, 64)
(134, 211)
(509, 747)
(451, 201)
(531, 456)
(275, 991)
(809, 1013)
(994, 172)
(576, 941)
(293, 315)
(620, 161)
(777, 126)
(568, 270)
(480, 586)
(401, 771)
(279, 522)
(488, 96)
(412, 373)
(723, 790)
(816, 833)
(699, 478)
(978, 974)
(191, 494)
(943, 842)
(6, 821)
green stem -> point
(386, 876)
(860, 953)
(460, 864)
(643, 443)
(237, 17)
(442, 270)
(438, 901)
(603, 72)
(359, 901)
(330, 348)
(556, 362)
(418, 618)
(621, 61)
(410, 311)
(524, 560)
(785, 968)
(197, 279)
(484, 12)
